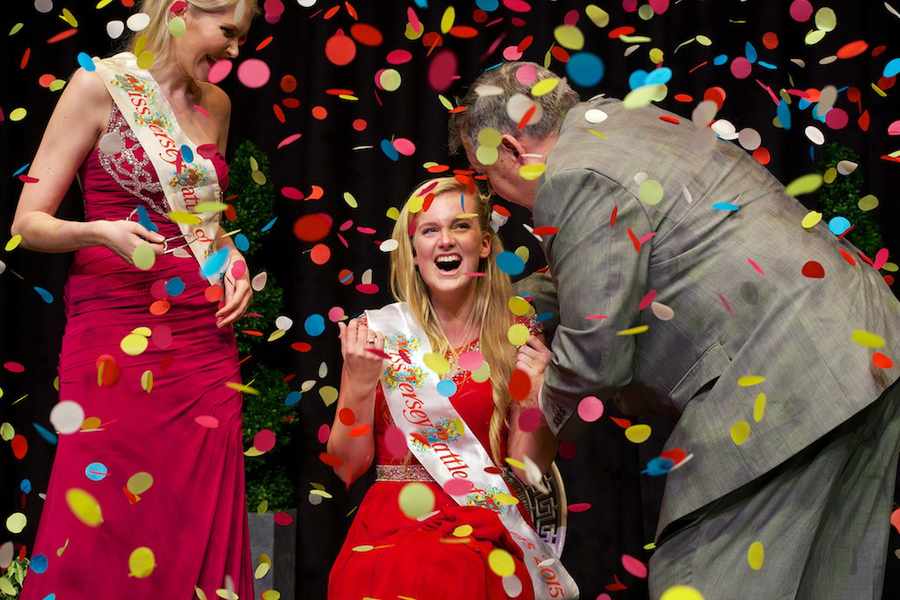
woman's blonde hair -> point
(492, 293)
(156, 38)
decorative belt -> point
(411, 472)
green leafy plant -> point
(267, 479)
(840, 199)
(11, 581)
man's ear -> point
(512, 145)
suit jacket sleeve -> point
(600, 274)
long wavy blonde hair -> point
(156, 37)
(492, 294)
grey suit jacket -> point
(731, 275)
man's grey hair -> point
(488, 105)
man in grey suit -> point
(682, 265)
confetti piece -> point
(141, 562)
(638, 434)
(740, 431)
(634, 566)
(84, 506)
(867, 339)
(67, 417)
(756, 556)
(415, 500)
(501, 562)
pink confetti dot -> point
(162, 336)
(801, 10)
(335, 314)
(634, 566)
(471, 360)
(264, 440)
(629, 6)
(14, 367)
(442, 70)
(571, 18)
(458, 487)
(530, 419)
(219, 70)
(517, 5)
(512, 53)
(207, 421)
(659, 6)
(527, 74)
(579, 507)
(399, 57)
(253, 73)
(158, 289)
(404, 146)
(323, 433)
(590, 409)
(837, 118)
(741, 67)
(283, 518)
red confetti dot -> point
(319, 112)
(546, 230)
(283, 518)
(360, 124)
(579, 507)
(634, 566)
(301, 346)
(107, 370)
(291, 103)
(442, 70)
(320, 254)
(762, 155)
(801, 10)
(882, 361)
(347, 416)
(264, 440)
(399, 57)
(519, 385)
(340, 49)
(365, 34)
(685, 98)
(770, 40)
(620, 31)
(291, 193)
(852, 49)
(813, 270)
(716, 94)
(14, 367)
(560, 54)
(288, 84)
(19, 446)
(214, 293)
(312, 228)
(330, 459)
(837, 118)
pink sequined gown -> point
(193, 516)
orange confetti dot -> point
(312, 228)
(62, 36)
(560, 54)
(316, 193)
(463, 32)
(852, 49)
(319, 112)
(882, 361)
(320, 254)
(366, 34)
(264, 43)
(360, 124)
(346, 416)
(360, 430)
(46, 79)
(160, 307)
(685, 98)
(107, 370)
(770, 40)
(340, 49)
(214, 293)
(330, 459)
(620, 31)
(762, 155)
(288, 84)
(716, 94)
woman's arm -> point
(76, 123)
(539, 445)
(359, 378)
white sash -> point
(153, 122)
(418, 409)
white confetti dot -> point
(138, 21)
(595, 115)
(114, 29)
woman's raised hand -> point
(533, 358)
(362, 368)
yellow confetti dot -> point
(84, 507)
(416, 500)
(804, 184)
(759, 407)
(436, 363)
(638, 434)
(14, 242)
(518, 464)
(139, 483)
(147, 381)
(259, 178)
(505, 499)
(68, 17)
(262, 569)
(487, 155)
(650, 192)
(656, 56)
(703, 40)
(240, 387)
(681, 592)
(392, 213)
(544, 86)
(16, 522)
(17, 114)
(463, 531)
(271, 595)
(91, 423)
(532, 171)
(390, 80)
(597, 15)
(211, 207)
(523, 252)
(143, 256)
(740, 431)
(276, 335)
(415, 204)
(447, 19)
(750, 380)
(811, 219)
(201, 595)
(184, 218)
(569, 37)
(146, 59)
(7, 432)
(867, 202)
(756, 556)
(501, 562)
(518, 334)
(141, 562)
(56, 85)
(177, 26)
(18, 27)
(350, 200)
(634, 330)
(329, 394)
(489, 137)
(826, 19)
(645, 12)
(144, 331)
(133, 344)
(814, 36)
(641, 96)
(519, 306)
(867, 339)
(830, 175)
(363, 548)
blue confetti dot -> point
(422, 3)
(892, 68)
(585, 69)
(766, 65)
(750, 52)
(314, 325)
(510, 263)
(241, 242)
(215, 263)
(446, 387)
(784, 114)
(388, 148)
(268, 225)
(816, 115)
(292, 398)
(187, 154)
(25, 486)
(659, 76)
(144, 219)
(96, 471)
(720, 60)
(637, 79)
(726, 206)
(86, 62)
(487, 5)
(44, 294)
(21, 169)
(804, 104)
(45, 433)
(838, 225)
(658, 466)
(38, 564)
(50, 596)
(545, 316)
(175, 286)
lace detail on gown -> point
(135, 175)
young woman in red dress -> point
(146, 496)
(450, 290)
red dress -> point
(425, 559)
(193, 516)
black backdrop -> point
(333, 155)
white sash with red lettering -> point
(442, 442)
(185, 183)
